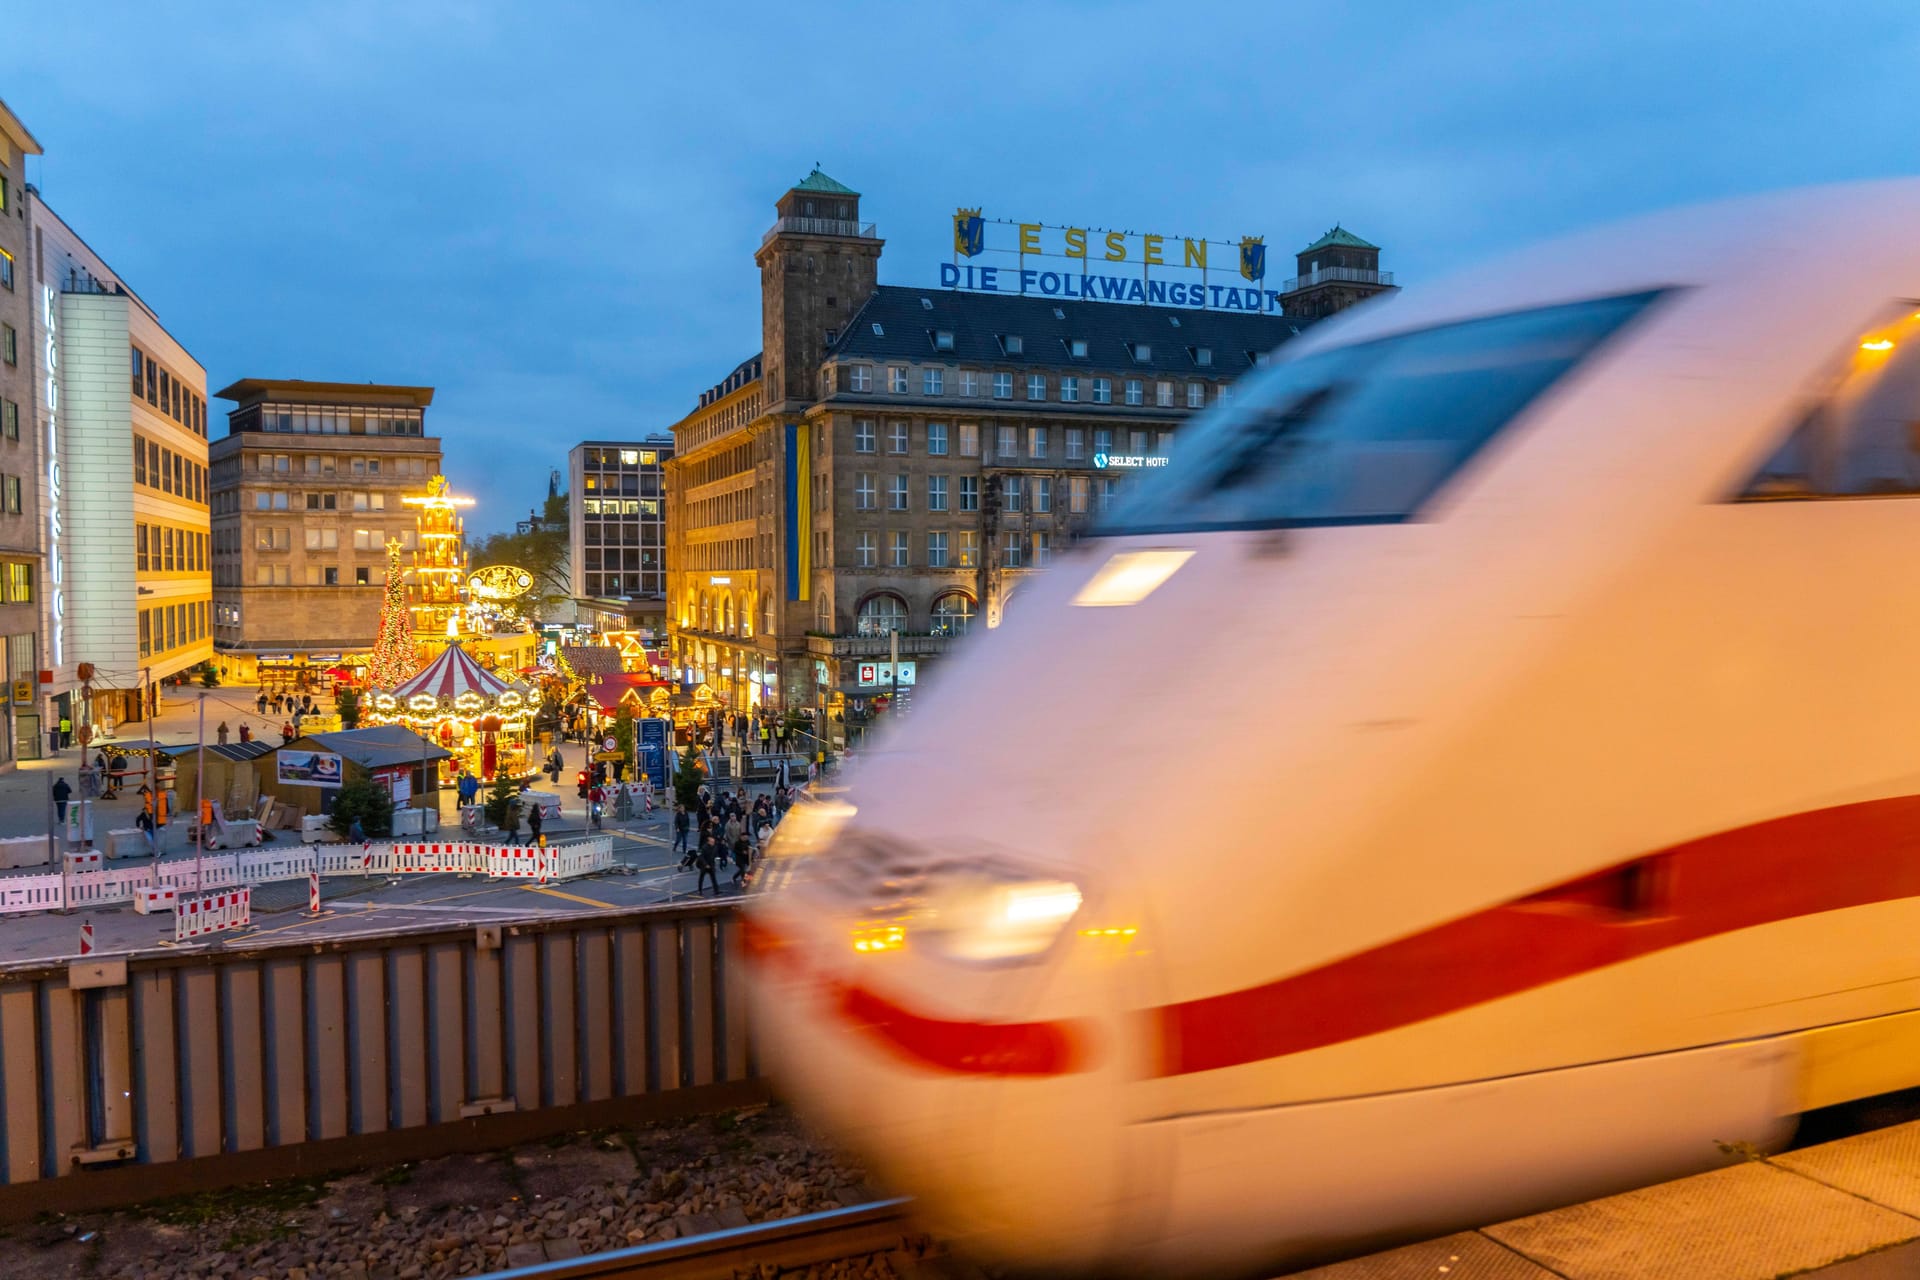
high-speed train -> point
(1482, 772)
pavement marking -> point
(571, 897)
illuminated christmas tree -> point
(394, 654)
(439, 567)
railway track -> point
(766, 1248)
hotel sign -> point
(1128, 461)
(1094, 265)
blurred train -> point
(1482, 772)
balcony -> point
(822, 227)
(911, 646)
(1338, 275)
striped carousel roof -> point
(450, 675)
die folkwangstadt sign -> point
(1094, 265)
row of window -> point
(721, 508)
(952, 614)
(955, 549)
(618, 506)
(158, 467)
(1010, 442)
(1016, 492)
(647, 483)
(620, 558)
(163, 548)
(171, 626)
(606, 531)
(999, 385)
(610, 585)
(722, 553)
(16, 582)
(321, 575)
(285, 500)
(279, 537)
(168, 394)
(727, 462)
(615, 458)
(328, 420)
(327, 464)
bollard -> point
(86, 937)
(313, 892)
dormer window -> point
(1174, 321)
(926, 304)
(1077, 348)
(943, 339)
(1058, 314)
(1012, 344)
(1202, 356)
(878, 332)
(1142, 352)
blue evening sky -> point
(548, 210)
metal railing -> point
(822, 227)
(857, 646)
(1326, 275)
(123, 1079)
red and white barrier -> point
(313, 892)
(212, 913)
(149, 899)
(86, 937)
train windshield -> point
(1365, 434)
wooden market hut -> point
(387, 753)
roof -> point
(608, 692)
(240, 751)
(592, 659)
(909, 317)
(249, 389)
(450, 675)
(375, 747)
(11, 126)
(818, 181)
(1341, 238)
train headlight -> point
(1001, 921)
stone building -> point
(899, 459)
(1336, 271)
(19, 493)
(307, 487)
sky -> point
(548, 211)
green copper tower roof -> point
(818, 181)
(1339, 237)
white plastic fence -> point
(212, 913)
(53, 892)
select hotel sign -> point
(1128, 461)
(1087, 263)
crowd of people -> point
(725, 827)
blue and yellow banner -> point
(799, 512)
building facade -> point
(616, 527)
(20, 529)
(121, 426)
(307, 489)
(898, 460)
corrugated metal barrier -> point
(123, 1079)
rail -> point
(822, 227)
(1326, 275)
(807, 1240)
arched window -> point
(881, 614)
(706, 612)
(953, 614)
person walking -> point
(356, 834)
(510, 825)
(535, 821)
(260, 703)
(286, 732)
(742, 859)
(682, 824)
(221, 733)
(66, 732)
(707, 860)
(246, 732)
(62, 792)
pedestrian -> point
(536, 819)
(468, 787)
(742, 859)
(66, 732)
(286, 732)
(733, 829)
(298, 716)
(143, 822)
(682, 824)
(246, 732)
(62, 791)
(260, 703)
(596, 805)
(221, 733)
(707, 860)
(356, 834)
(510, 825)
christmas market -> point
(481, 720)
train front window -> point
(1365, 434)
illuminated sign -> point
(883, 673)
(56, 563)
(1128, 461)
(1108, 266)
(499, 582)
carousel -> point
(454, 701)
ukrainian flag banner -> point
(799, 512)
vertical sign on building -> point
(799, 512)
(56, 568)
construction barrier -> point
(212, 913)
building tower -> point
(439, 567)
(1336, 271)
(818, 265)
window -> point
(1367, 433)
(6, 268)
(1103, 390)
(1136, 392)
(323, 501)
(860, 378)
(1108, 487)
(866, 547)
(897, 548)
(936, 493)
(268, 537)
(1163, 394)
(1136, 442)
(263, 501)
(969, 493)
(937, 439)
(1196, 395)
(1009, 442)
(1003, 386)
(932, 381)
(1202, 356)
(1036, 442)
(360, 502)
(10, 495)
(896, 379)
(1163, 443)
(1076, 444)
(359, 466)
(1043, 493)
(1077, 348)
(1012, 549)
(1042, 548)
(10, 421)
(969, 383)
(1010, 487)
(1012, 344)
(882, 614)
(969, 439)
(1077, 495)
(896, 437)
(140, 558)
(968, 553)
(942, 341)
(863, 491)
(279, 499)
(937, 550)
(1069, 389)
(897, 493)
(9, 344)
(1142, 352)
(19, 586)
(1036, 386)
(863, 435)
(324, 539)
